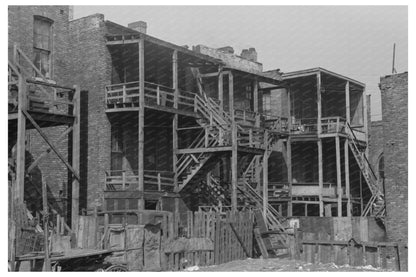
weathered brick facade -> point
(394, 107)
(91, 68)
(21, 31)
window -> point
(42, 45)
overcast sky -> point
(356, 41)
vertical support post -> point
(234, 168)
(319, 101)
(18, 190)
(347, 176)
(175, 85)
(221, 90)
(265, 176)
(141, 125)
(123, 176)
(347, 102)
(321, 177)
(159, 182)
(231, 94)
(47, 262)
(289, 174)
(289, 109)
(75, 158)
(339, 188)
(365, 115)
(255, 96)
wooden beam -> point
(255, 95)
(141, 124)
(76, 158)
(18, 190)
(209, 75)
(265, 177)
(221, 90)
(45, 138)
(289, 175)
(234, 167)
(204, 150)
(321, 177)
(47, 151)
(365, 115)
(339, 187)
(175, 78)
(347, 177)
(231, 94)
(47, 261)
(347, 102)
(175, 117)
(319, 102)
(289, 109)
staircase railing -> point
(377, 197)
(273, 217)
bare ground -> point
(279, 264)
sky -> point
(356, 41)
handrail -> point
(363, 155)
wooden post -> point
(221, 90)
(289, 174)
(347, 102)
(75, 158)
(47, 262)
(319, 101)
(231, 94)
(265, 177)
(140, 159)
(347, 176)
(321, 178)
(175, 116)
(339, 188)
(365, 121)
(289, 109)
(255, 96)
(18, 190)
(234, 167)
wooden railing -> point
(155, 94)
(304, 126)
(43, 95)
(333, 124)
(119, 180)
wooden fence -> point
(319, 248)
(214, 238)
(154, 240)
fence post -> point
(124, 93)
(157, 95)
(123, 176)
(159, 182)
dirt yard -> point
(279, 265)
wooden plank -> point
(320, 177)
(347, 177)
(134, 243)
(140, 160)
(47, 261)
(260, 243)
(338, 164)
(20, 148)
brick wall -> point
(92, 70)
(51, 169)
(394, 107)
(375, 143)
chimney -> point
(226, 49)
(249, 54)
(139, 26)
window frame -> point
(37, 22)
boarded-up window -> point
(42, 45)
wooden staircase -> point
(376, 205)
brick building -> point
(42, 34)
(394, 93)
